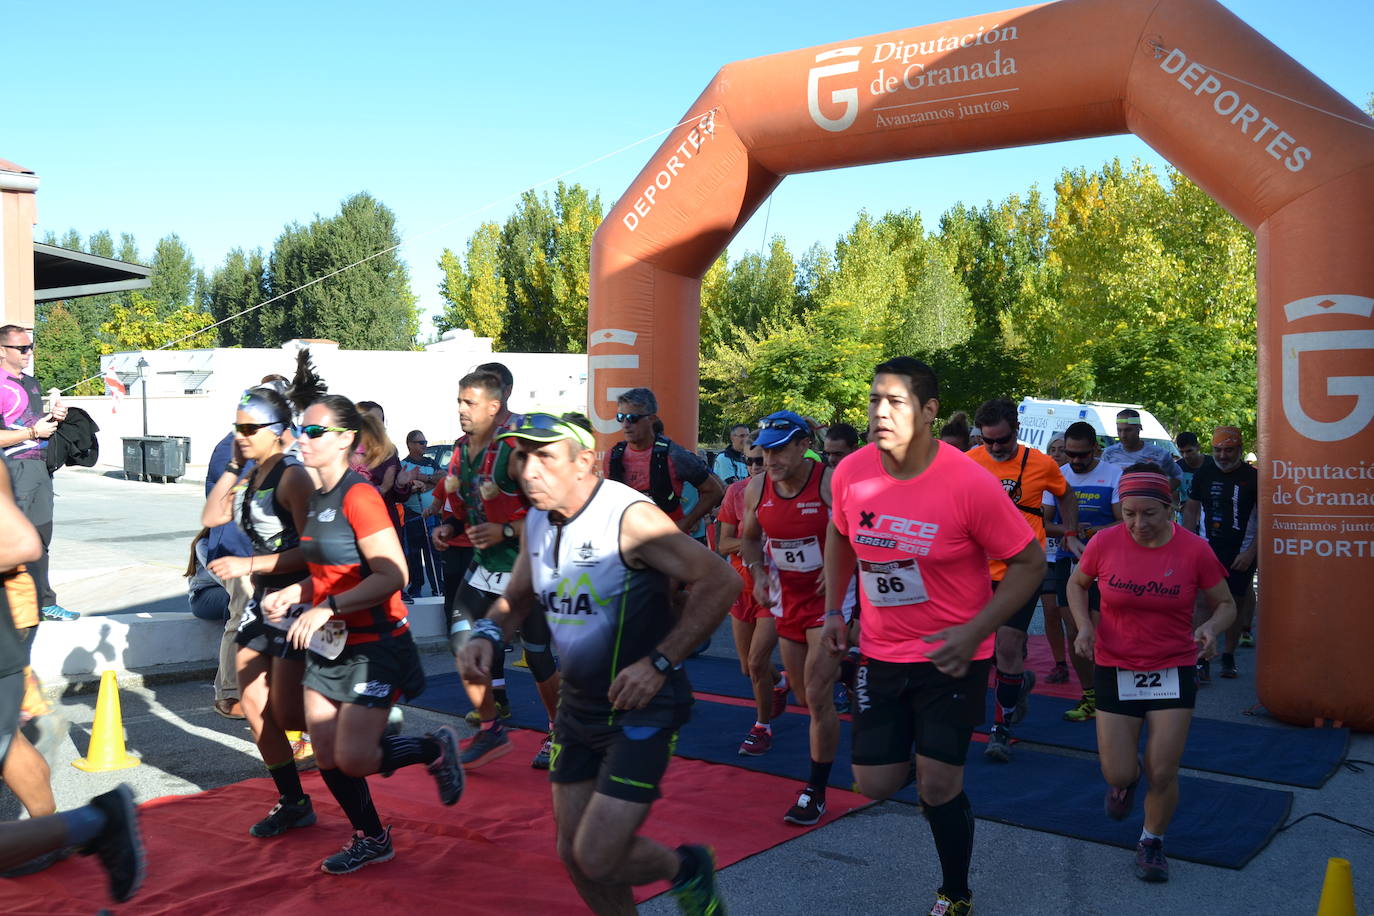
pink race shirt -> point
(1147, 597)
(923, 547)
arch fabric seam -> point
(1369, 164)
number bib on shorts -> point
(327, 641)
(484, 580)
(1147, 685)
(796, 555)
(892, 584)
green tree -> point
(139, 326)
(240, 283)
(755, 293)
(475, 293)
(173, 276)
(368, 306)
(69, 355)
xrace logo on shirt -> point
(572, 599)
(897, 533)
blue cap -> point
(778, 429)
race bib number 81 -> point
(892, 584)
(796, 555)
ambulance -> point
(1042, 421)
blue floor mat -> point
(1217, 823)
(1305, 757)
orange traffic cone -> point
(106, 751)
(1338, 890)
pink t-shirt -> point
(932, 534)
(1147, 597)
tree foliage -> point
(139, 326)
(368, 306)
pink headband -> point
(1146, 484)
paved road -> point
(877, 860)
(121, 545)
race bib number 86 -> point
(892, 584)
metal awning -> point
(61, 273)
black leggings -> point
(472, 604)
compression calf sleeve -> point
(540, 660)
(287, 780)
(1008, 691)
(355, 799)
(401, 751)
(951, 825)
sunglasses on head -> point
(778, 423)
(629, 417)
(1003, 440)
(250, 429)
(315, 430)
(22, 348)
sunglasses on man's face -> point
(754, 462)
(250, 429)
(315, 430)
(1072, 454)
(630, 417)
(22, 348)
(1009, 437)
(418, 442)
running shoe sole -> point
(802, 820)
(495, 753)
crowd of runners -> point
(897, 579)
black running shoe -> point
(697, 895)
(999, 745)
(446, 769)
(1150, 864)
(1204, 672)
(808, 809)
(1228, 666)
(284, 816)
(119, 845)
(362, 850)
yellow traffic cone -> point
(106, 751)
(1338, 890)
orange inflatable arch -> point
(1293, 160)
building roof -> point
(61, 273)
(7, 166)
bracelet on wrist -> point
(488, 630)
(832, 612)
(333, 605)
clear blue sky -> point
(224, 122)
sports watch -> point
(508, 530)
(660, 662)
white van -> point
(1042, 421)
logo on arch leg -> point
(1360, 387)
(599, 397)
(848, 97)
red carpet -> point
(1041, 662)
(492, 852)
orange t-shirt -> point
(1026, 485)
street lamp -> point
(143, 364)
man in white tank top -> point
(596, 558)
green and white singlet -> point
(604, 614)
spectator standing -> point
(419, 473)
(730, 464)
(24, 441)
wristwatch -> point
(508, 530)
(660, 662)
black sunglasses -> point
(1009, 437)
(22, 348)
(779, 424)
(315, 430)
(629, 417)
(250, 429)
(1072, 454)
(753, 461)
(418, 442)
